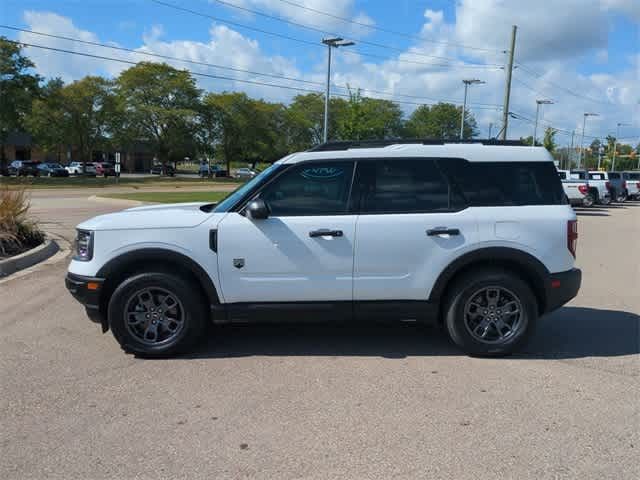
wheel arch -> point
(521, 263)
(158, 259)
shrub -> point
(17, 232)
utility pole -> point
(615, 145)
(535, 129)
(330, 43)
(507, 88)
(584, 123)
(467, 82)
(573, 134)
(490, 128)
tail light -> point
(608, 185)
(572, 236)
(624, 184)
(638, 185)
(583, 189)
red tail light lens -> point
(583, 189)
(572, 236)
(624, 184)
(608, 185)
(638, 185)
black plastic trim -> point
(570, 282)
(90, 299)
(161, 256)
(213, 240)
(346, 145)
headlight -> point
(84, 246)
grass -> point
(17, 232)
(100, 182)
(170, 197)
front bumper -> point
(562, 287)
(87, 291)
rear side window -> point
(597, 176)
(632, 176)
(316, 188)
(505, 183)
(402, 186)
(614, 176)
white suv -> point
(476, 237)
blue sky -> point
(583, 54)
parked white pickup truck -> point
(598, 184)
(633, 184)
(577, 191)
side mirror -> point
(257, 209)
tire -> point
(622, 197)
(588, 200)
(140, 298)
(605, 200)
(471, 294)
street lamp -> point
(615, 144)
(467, 82)
(330, 43)
(584, 122)
(535, 129)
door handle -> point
(325, 232)
(432, 232)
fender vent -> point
(213, 240)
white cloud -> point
(617, 93)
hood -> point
(174, 215)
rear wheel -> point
(622, 197)
(606, 200)
(490, 313)
(588, 200)
(157, 314)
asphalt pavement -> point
(325, 401)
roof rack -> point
(346, 145)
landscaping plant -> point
(17, 232)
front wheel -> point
(156, 314)
(490, 313)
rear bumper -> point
(87, 291)
(562, 287)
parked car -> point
(598, 185)
(577, 191)
(24, 168)
(209, 171)
(159, 169)
(244, 173)
(617, 186)
(456, 234)
(80, 168)
(105, 169)
(633, 184)
(52, 170)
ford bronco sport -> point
(476, 237)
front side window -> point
(234, 197)
(314, 188)
(402, 186)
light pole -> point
(615, 144)
(330, 43)
(467, 82)
(584, 123)
(535, 129)
(490, 128)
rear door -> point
(303, 252)
(411, 226)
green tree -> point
(46, 120)
(611, 144)
(18, 87)
(160, 105)
(368, 119)
(305, 120)
(549, 140)
(440, 121)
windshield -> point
(226, 204)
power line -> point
(385, 30)
(325, 32)
(195, 62)
(526, 85)
(308, 42)
(200, 74)
(540, 76)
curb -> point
(29, 258)
(117, 201)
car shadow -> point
(571, 332)
(587, 213)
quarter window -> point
(314, 188)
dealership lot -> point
(388, 401)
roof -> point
(473, 152)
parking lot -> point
(325, 401)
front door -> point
(303, 252)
